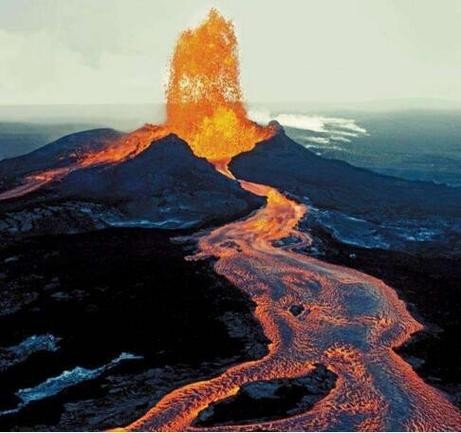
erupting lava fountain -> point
(354, 321)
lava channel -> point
(354, 323)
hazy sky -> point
(116, 51)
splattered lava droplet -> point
(204, 99)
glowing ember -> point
(204, 99)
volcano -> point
(160, 176)
(164, 186)
(336, 185)
(309, 345)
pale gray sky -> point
(117, 51)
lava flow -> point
(352, 321)
(113, 152)
(204, 107)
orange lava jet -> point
(354, 320)
(204, 107)
(204, 99)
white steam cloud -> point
(320, 130)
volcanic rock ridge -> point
(164, 186)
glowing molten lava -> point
(354, 321)
(353, 324)
(204, 107)
(204, 99)
(119, 150)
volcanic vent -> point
(132, 183)
(204, 99)
(166, 176)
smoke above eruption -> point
(204, 99)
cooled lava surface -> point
(350, 322)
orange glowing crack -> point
(119, 150)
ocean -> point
(415, 145)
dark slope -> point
(19, 137)
(337, 185)
(164, 186)
(59, 153)
(165, 182)
(101, 294)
